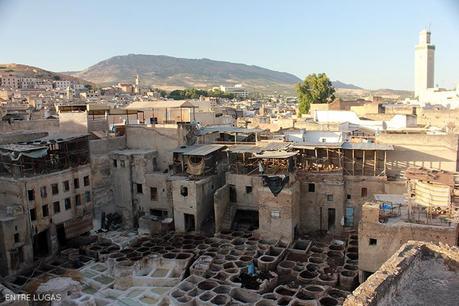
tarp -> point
(275, 183)
(15, 155)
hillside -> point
(35, 72)
(170, 72)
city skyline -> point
(369, 45)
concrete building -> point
(46, 198)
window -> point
(232, 193)
(76, 183)
(122, 164)
(311, 187)
(184, 191)
(373, 241)
(248, 189)
(115, 163)
(54, 188)
(153, 193)
(86, 180)
(33, 214)
(87, 196)
(77, 200)
(43, 192)
(16, 238)
(363, 192)
(45, 210)
(329, 197)
(31, 194)
(66, 186)
(67, 204)
(56, 207)
(139, 188)
(348, 196)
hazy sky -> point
(367, 43)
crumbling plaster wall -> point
(101, 165)
(221, 202)
(389, 237)
(163, 186)
(279, 215)
(198, 202)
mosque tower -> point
(424, 64)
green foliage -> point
(316, 88)
(194, 93)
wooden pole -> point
(363, 162)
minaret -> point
(424, 64)
(137, 83)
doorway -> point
(60, 233)
(40, 244)
(189, 223)
(331, 218)
(246, 220)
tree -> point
(316, 88)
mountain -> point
(171, 72)
(341, 85)
(35, 72)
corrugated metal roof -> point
(199, 150)
(275, 146)
(244, 149)
(226, 129)
(316, 145)
(21, 147)
(368, 146)
(276, 154)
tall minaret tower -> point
(424, 64)
(137, 84)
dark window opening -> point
(16, 238)
(115, 163)
(184, 191)
(40, 244)
(56, 207)
(66, 185)
(139, 188)
(248, 189)
(153, 193)
(373, 241)
(348, 196)
(77, 200)
(311, 187)
(232, 193)
(33, 214)
(86, 180)
(76, 183)
(43, 192)
(31, 194)
(329, 197)
(55, 188)
(45, 210)
(87, 196)
(364, 192)
(67, 204)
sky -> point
(366, 43)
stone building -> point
(45, 198)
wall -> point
(279, 215)
(221, 202)
(391, 236)
(101, 164)
(48, 125)
(73, 122)
(430, 151)
(161, 138)
(199, 201)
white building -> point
(424, 90)
(424, 64)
